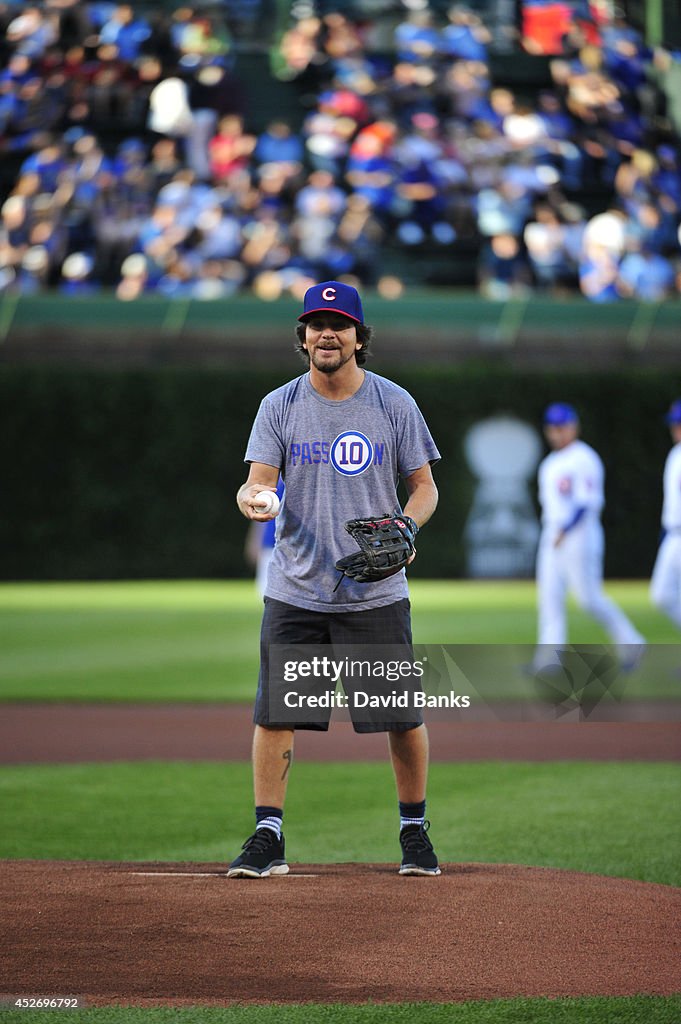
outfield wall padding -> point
(132, 473)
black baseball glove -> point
(386, 544)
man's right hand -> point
(245, 500)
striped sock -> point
(269, 817)
(412, 814)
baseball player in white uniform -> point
(570, 556)
(665, 586)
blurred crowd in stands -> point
(134, 165)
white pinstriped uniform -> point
(569, 479)
(665, 585)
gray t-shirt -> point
(340, 461)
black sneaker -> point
(418, 855)
(262, 855)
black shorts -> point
(286, 624)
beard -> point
(327, 365)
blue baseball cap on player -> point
(559, 414)
(674, 414)
(333, 297)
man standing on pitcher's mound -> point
(341, 437)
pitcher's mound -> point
(183, 933)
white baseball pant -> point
(665, 585)
(576, 566)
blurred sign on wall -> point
(502, 529)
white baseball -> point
(267, 501)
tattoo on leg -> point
(287, 755)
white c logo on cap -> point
(329, 294)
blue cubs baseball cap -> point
(333, 297)
(674, 414)
(559, 414)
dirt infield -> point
(62, 733)
(182, 933)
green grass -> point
(609, 818)
(198, 640)
(623, 1010)
(129, 641)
